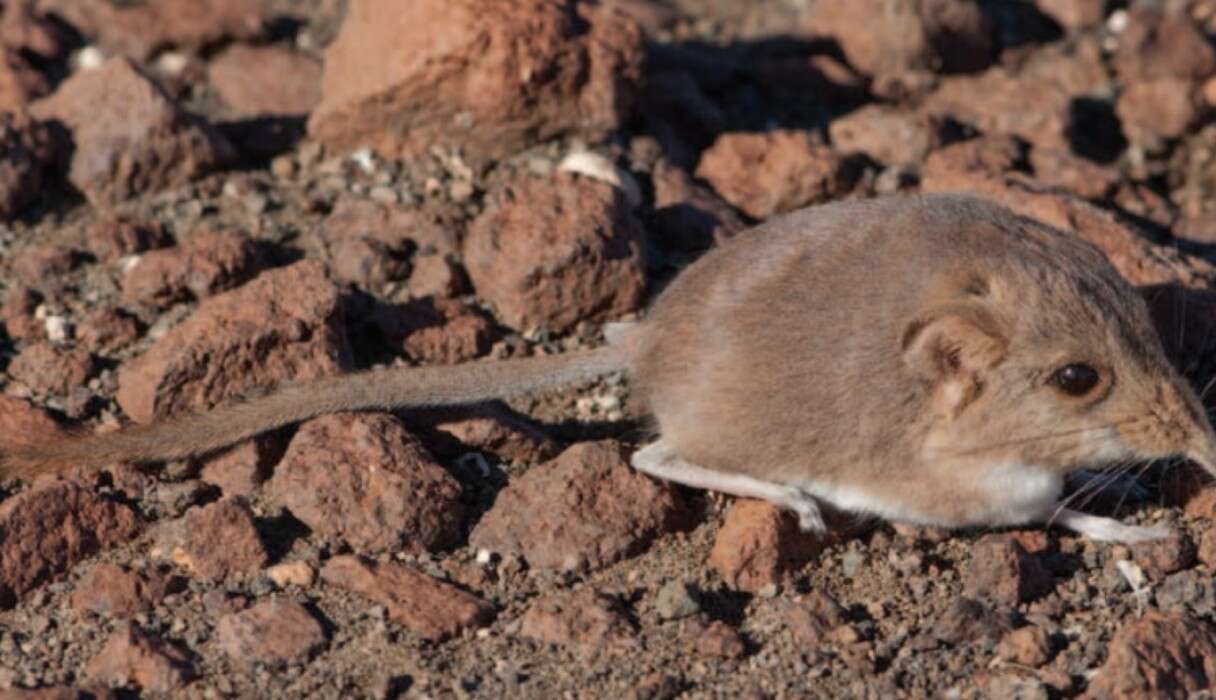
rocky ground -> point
(206, 197)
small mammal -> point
(927, 359)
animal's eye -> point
(1076, 379)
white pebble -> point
(56, 329)
(596, 166)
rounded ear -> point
(951, 347)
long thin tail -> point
(193, 434)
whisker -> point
(1039, 438)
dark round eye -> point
(1076, 379)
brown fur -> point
(902, 346)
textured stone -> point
(588, 623)
(113, 591)
(1002, 571)
(773, 172)
(759, 543)
(133, 657)
(204, 264)
(215, 542)
(1158, 655)
(275, 632)
(265, 81)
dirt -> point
(200, 201)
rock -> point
(1154, 111)
(717, 640)
(50, 528)
(889, 135)
(590, 624)
(584, 510)
(26, 149)
(114, 237)
(769, 173)
(265, 81)
(427, 607)
(21, 422)
(398, 228)
(1074, 14)
(1207, 548)
(1037, 103)
(884, 38)
(1015, 686)
(488, 78)
(1160, 558)
(46, 368)
(362, 479)
(1002, 571)
(491, 428)
(205, 264)
(675, 601)
(35, 264)
(24, 27)
(285, 325)
(291, 573)
(550, 252)
(688, 216)
(1157, 43)
(113, 591)
(274, 632)
(436, 276)
(971, 622)
(128, 136)
(241, 469)
(436, 331)
(759, 543)
(1025, 646)
(215, 542)
(133, 657)
(105, 331)
(140, 30)
(1063, 169)
(1158, 655)
(812, 616)
(20, 82)
(20, 304)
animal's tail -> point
(193, 434)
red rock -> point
(717, 640)
(1082, 177)
(114, 237)
(1025, 646)
(241, 469)
(488, 428)
(436, 276)
(265, 81)
(292, 573)
(113, 591)
(589, 623)
(1154, 111)
(140, 30)
(1074, 14)
(362, 479)
(487, 77)
(367, 263)
(1162, 44)
(56, 693)
(49, 369)
(26, 148)
(688, 216)
(215, 542)
(275, 632)
(25, 27)
(1036, 103)
(36, 264)
(882, 38)
(550, 252)
(812, 616)
(886, 134)
(396, 227)
(133, 657)
(1207, 548)
(1002, 571)
(50, 528)
(1158, 655)
(20, 82)
(128, 136)
(967, 621)
(107, 330)
(427, 607)
(285, 325)
(20, 421)
(773, 172)
(204, 264)
(19, 306)
(759, 543)
(435, 331)
(1159, 558)
(585, 509)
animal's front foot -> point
(810, 519)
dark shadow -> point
(1094, 131)
(259, 140)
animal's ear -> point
(952, 347)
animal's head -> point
(1041, 353)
